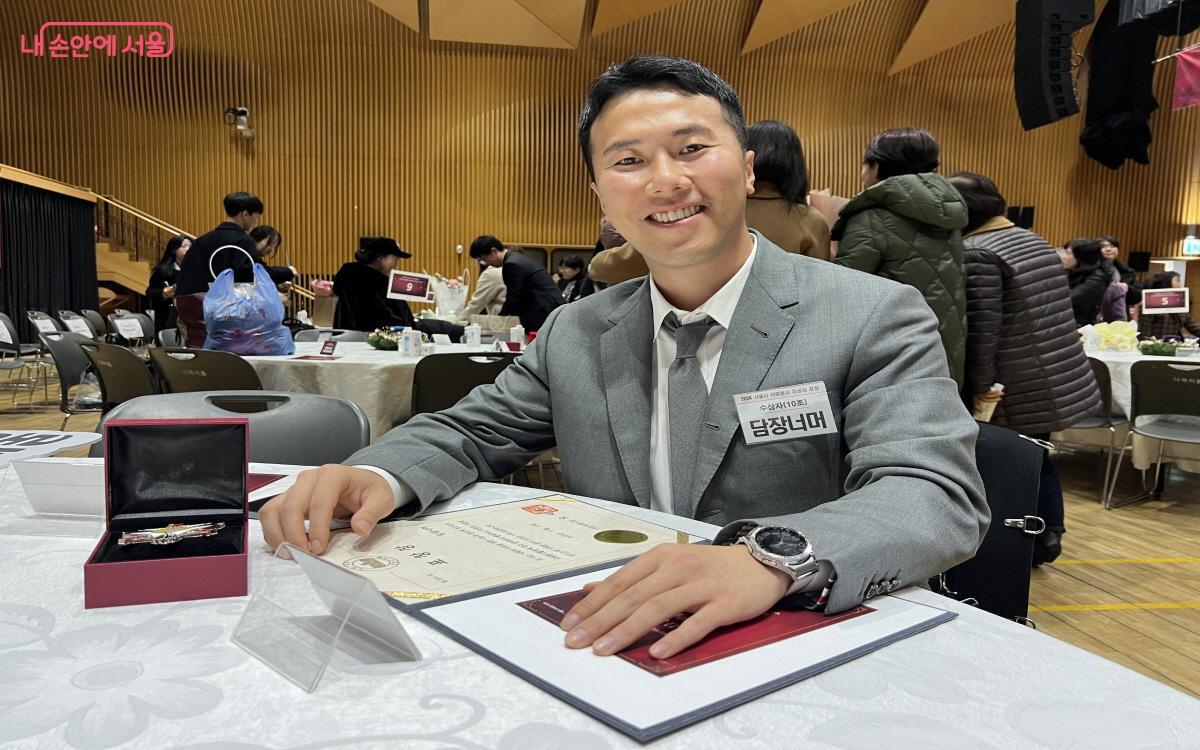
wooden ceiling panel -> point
(613, 13)
(778, 18)
(495, 22)
(407, 12)
(564, 16)
(948, 23)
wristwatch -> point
(784, 549)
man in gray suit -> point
(640, 387)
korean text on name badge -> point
(794, 411)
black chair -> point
(119, 320)
(76, 323)
(14, 360)
(43, 322)
(71, 363)
(122, 374)
(282, 425)
(1105, 420)
(997, 577)
(442, 380)
(1159, 389)
(97, 321)
(191, 370)
(169, 337)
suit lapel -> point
(627, 356)
(756, 332)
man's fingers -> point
(689, 633)
(375, 502)
(602, 592)
(330, 487)
(272, 513)
(652, 612)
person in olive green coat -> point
(906, 225)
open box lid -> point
(174, 469)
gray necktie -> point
(687, 401)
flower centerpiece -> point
(1119, 336)
(389, 340)
(1158, 348)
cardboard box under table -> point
(162, 472)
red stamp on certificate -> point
(769, 627)
(540, 509)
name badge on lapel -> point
(786, 413)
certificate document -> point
(467, 550)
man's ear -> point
(592, 185)
(749, 172)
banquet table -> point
(380, 382)
(1145, 451)
(167, 675)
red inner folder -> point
(769, 627)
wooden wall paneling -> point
(365, 127)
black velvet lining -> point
(158, 469)
(227, 541)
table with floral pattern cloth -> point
(167, 675)
(380, 382)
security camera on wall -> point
(239, 118)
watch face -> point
(780, 541)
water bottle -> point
(516, 335)
(473, 335)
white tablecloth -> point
(1145, 452)
(166, 675)
(380, 382)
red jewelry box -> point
(163, 471)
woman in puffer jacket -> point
(905, 225)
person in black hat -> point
(361, 288)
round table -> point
(380, 382)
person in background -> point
(488, 298)
(905, 225)
(615, 260)
(1161, 325)
(574, 282)
(1110, 248)
(227, 246)
(267, 240)
(1021, 333)
(531, 294)
(778, 207)
(1088, 277)
(161, 289)
(361, 288)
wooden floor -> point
(1127, 586)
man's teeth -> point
(676, 215)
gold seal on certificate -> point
(467, 550)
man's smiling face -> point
(671, 176)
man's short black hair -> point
(235, 203)
(779, 159)
(483, 244)
(656, 72)
(903, 151)
(1109, 239)
(981, 196)
(1086, 251)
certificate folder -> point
(496, 624)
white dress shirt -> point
(720, 308)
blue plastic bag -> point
(246, 318)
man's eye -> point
(693, 148)
(628, 161)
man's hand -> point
(718, 585)
(991, 396)
(320, 495)
(169, 292)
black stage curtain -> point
(47, 253)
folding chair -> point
(191, 370)
(1106, 419)
(72, 363)
(122, 374)
(1160, 390)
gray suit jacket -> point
(891, 499)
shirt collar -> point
(719, 307)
